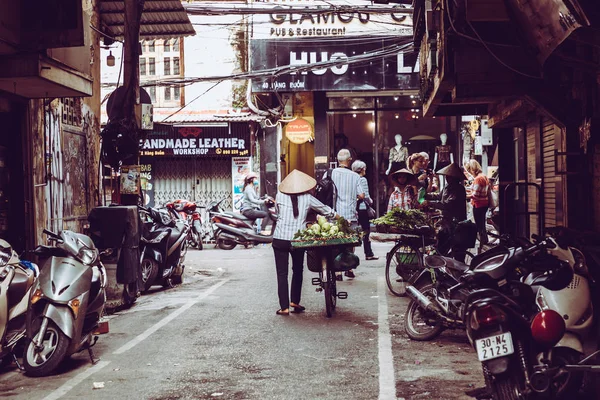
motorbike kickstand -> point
(18, 363)
(91, 352)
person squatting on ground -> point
(348, 192)
(405, 191)
(363, 217)
(293, 203)
(479, 198)
(254, 207)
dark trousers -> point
(479, 215)
(282, 249)
(363, 220)
(255, 214)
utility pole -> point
(131, 81)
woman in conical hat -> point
(405, 190)
(453, 199)
(294, 202)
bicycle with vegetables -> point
(329, 250)
(418, 239)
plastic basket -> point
(313, 260)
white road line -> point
(138, 339)
(76, 380)
(387, 377)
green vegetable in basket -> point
(324, 230)
(403, 219)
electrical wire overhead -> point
(286, 69)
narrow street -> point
(217, 336)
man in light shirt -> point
(348, 191)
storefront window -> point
(351, 103)
(398, 102)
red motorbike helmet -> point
(547, 328)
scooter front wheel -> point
(43, 361)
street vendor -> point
(405, 191)
(453, 198)
(293, 202)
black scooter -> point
(163, 248)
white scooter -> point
(563, 366)
(16, 280)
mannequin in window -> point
(398, 156)
(443, 157)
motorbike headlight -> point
(87, 256)
(157, 239)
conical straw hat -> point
(297, 182)
(412, 179)
(452, 170)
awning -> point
(161, 19)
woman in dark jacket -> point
(453, 204)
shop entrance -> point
(12, 191)
(368, 127)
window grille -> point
(167, 66)
(71, 111)
(151, 66)
(175, 65)
(142, 66)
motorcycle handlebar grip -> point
(49, 233)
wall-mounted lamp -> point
(110, 59)
(353, 115)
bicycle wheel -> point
(403, 261)
(330, 293)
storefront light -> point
(397, 116)
(371, 124)
(353, 115)
(396, 98)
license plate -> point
(494, 346)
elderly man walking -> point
(349, 190)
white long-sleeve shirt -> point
(287, 225)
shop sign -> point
(240, 167)
(299, 131)
(328, 19)
(130, 179)
(397, 71)
(209, 140)
(147, 184)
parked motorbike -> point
(433, 306)
(234, 228)
(510, 333)
(16, 280)
(163, 248)
(186, 210)
(66, 302)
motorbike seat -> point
(240, 216)
(439, 262)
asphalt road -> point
(217, 337)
